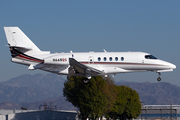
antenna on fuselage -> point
(71, 53)
(104, 50)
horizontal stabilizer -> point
(31, 67)
(18, 47)
(36, 66)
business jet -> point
(87, 64)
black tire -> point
(158, 79)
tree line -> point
(101, 97)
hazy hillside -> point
(31, 88)
(31, 91)
(160, 93)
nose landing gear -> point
(159, 78)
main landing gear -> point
(88, 77)
(159, 78)
(86, 81)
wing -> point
(76, 68)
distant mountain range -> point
(31, 88)
(160, 93)
(31, 91)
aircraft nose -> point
(172, 66)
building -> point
(148, 112)
(38, 115)
(160, 112)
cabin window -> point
(150, 57)
(116, 58)
(110, 59)
(105, 58)
(99, 59)
(122, 58)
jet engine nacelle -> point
(60, 60)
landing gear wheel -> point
(159, 79)
(86, 81)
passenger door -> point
(91, 60)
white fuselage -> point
(87, 64)
(108, 62)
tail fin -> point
(23, 50)
(16, 38)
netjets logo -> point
(60, 59)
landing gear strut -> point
(86, 81)
(88, 77)
(159, 78)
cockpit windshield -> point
(150, 57)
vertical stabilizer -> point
(23, 50)
(16, 38)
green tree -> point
(111, 94)
(127, 104)
(102, 97)
(120, 103)
(133, 107)
(87, 98)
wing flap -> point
(78, 68)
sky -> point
(83, 26)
